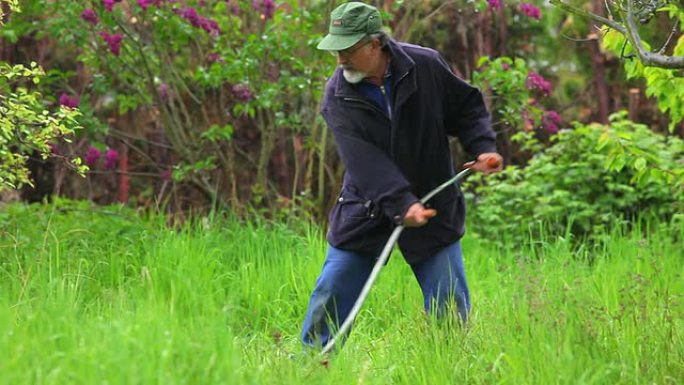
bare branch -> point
(600, 19)
(669, 38)
(566, 37)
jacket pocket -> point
(351, 207)
(354, 221)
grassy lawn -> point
(103, 296)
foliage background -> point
(185, 106)
(210, 107)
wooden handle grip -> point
(493, 162)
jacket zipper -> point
(374, 107)
(387, 103)
(391, 128)
(365, 103)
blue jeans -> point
(441, 278)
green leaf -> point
(482, 61)
(640, 164)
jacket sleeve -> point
(370, 169)
(467, 117)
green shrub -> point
(27, 126)
(575, 186)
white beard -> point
(353, 77)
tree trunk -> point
(597, 60)
(268, 142)
(633, 104)
(282, 168)
(503, 31)
(124, 184)
(484, 30)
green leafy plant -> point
(27, 125)
(643, 154)
(580, 184)
(13, 5)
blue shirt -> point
(376, 95)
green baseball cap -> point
(349, 23)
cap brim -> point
(339, 42)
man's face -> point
(356, 61)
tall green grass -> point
(106, 296)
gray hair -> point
(382, 36)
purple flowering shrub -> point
(520, 99)
(69, 101)
(111, 158)
(206, 71)
(91, 157)
(535, 81)
(528, 9)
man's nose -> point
(341, 59)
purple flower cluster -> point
(164, 94)
(530, 10)
(234, 6)
(111, 158)
(536, 81)
(113, 40)
(109, 4)
(551, 121)
(68, 101)
(144, 4)
(166, 175)
(243, 92)
(265, 7)
(198, 21)
(495, 4)
(214, 57)
(92, 156)
(90, 16)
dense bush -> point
(203, 92)
(568, 187)
(27, 126)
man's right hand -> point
(487, 163)
(417, 215)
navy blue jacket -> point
(391, 163)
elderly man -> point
(392, 107)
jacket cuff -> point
(396, 210)
(482, 146)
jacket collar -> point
(401, 66)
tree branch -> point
(600, 19)
(630, 31)
(669, 38)
(646, 57)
